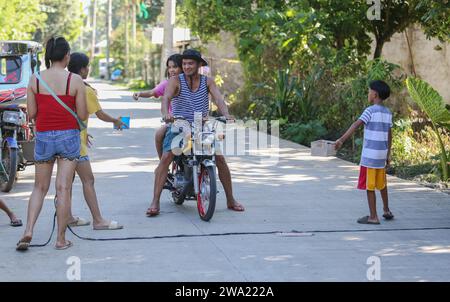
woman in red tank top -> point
(57, 136)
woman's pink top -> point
(159, 91)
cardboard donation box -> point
(323, 148)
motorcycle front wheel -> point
(206, 198)
(9, 161)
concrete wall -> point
(223, 60)
(431, 58)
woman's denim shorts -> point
(64, 144)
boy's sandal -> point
(365, 220)
(388, 215)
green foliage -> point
(306, 60)
(433, 105)
(435, 18)
(19, 19)
(64, 18)
(429, 100)
(349, 94)
(138, 84)
(415, 149)
(304, 133)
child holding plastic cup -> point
(79, 64)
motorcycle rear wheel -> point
(177, 197)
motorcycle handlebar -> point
(221, 119)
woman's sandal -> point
(16, 223)
(23, 244)
(65, 246)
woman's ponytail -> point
(55, 50)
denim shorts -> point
(64, 144)
(169, 138)
(83, 158)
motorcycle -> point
(18, 61)
(193, 171)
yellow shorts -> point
(371, 179)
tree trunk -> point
(378, 48)
(127, 46)
(133, 49)
(94, 28)
(108, 39)
(169, 21)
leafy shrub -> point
(304, 133)
(138, 84)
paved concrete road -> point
(302, 193)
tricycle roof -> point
(11, 48)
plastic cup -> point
(126, 121)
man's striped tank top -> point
(187, 102)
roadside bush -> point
(304, 134)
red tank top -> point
(51, 115)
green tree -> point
(64, 18)
(397, 15)
(19, 19)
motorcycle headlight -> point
(208, 138)
(207, 144)
(12, 117)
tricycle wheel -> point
(9, 161)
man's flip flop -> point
(236, 207)
(388, 216)
(365, 220)
(16, 223)
(64, 247)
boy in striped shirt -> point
(377, 120)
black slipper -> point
(365, 220)
(16, 223)
(388, 215)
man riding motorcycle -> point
(189, 93)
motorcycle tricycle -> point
(18, 61)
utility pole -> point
(127, 47)
(133, 49)
(169, 21)
(108, 38)
(94, 27)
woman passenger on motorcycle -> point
(57, 136)
(79, 64)
(174, 68)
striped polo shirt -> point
(188, 102)
(377, 122)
